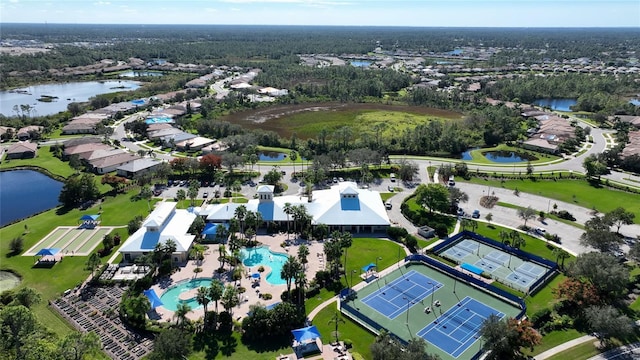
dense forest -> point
(84, 44)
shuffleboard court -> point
(397, 296)
(71, 240)
(458, 328)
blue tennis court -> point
(458, 328)
(487, 265)
(498, 257)
(469, 245)
(520, 279)
(531, 270)
(399, 295)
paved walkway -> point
(566, 346)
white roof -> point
(175, 228)
(342, 204)
(160, 214)
(265, 189)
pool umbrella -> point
(255, 275)
(153, 298)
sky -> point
(421, 13)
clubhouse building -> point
(343, 207)
(164, 223)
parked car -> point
(540, 231)
(388, 205)
(205, 195)
(476, 214)
(390, 188)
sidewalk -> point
(566, 346)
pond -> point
(556, 103)
(360, 63)
(467, 154)
(8, 280)
(57, 96)
(25, 193)
(271, 156)
(507, 156)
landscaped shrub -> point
(441, 230)
(396, 233)
(541, 317)
(411, 242)
(267, 296)
(347, 343)
(564, 214)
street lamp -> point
(378, 258)
(433, 290)
(352, 272)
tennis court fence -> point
(470, 279)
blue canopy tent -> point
(47, 252)
(89, 221)
(47, 257)
(368, 268)
(153, 298)
(306, 341)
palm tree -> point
(504, 236)
(293, 156)
(230, 298)
(223, 255)
(288, 209)
(216, 289)
(336, 319)
(345, 243)
(181, 314)
(301, 283)
(289, 270)
(516, 239)
(465, 223)
(303, 253)
(93, 262)
(560, 255)
(241, 214)
(202, 297)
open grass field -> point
(71, 271)
(580, 352)
(307, 121)
(578, 192)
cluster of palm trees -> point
(217, 292)
(512, 238)
(301, 218)
(333, 249)
(293, 270)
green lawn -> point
(579, 192)
(553, 339)
(44, 160)
(549, 216)
(360, 337)
(580, 352)
(70, 272)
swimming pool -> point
(184, 292)
(158, 120)
(257, 256)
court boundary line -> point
(473, 334)
(377, 294)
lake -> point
(556, 103)
(26, 192)
(66, 93)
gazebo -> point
(47, 256)
(306, 341)
(89, 221)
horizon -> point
(339, 13)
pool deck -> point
(250, 297)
